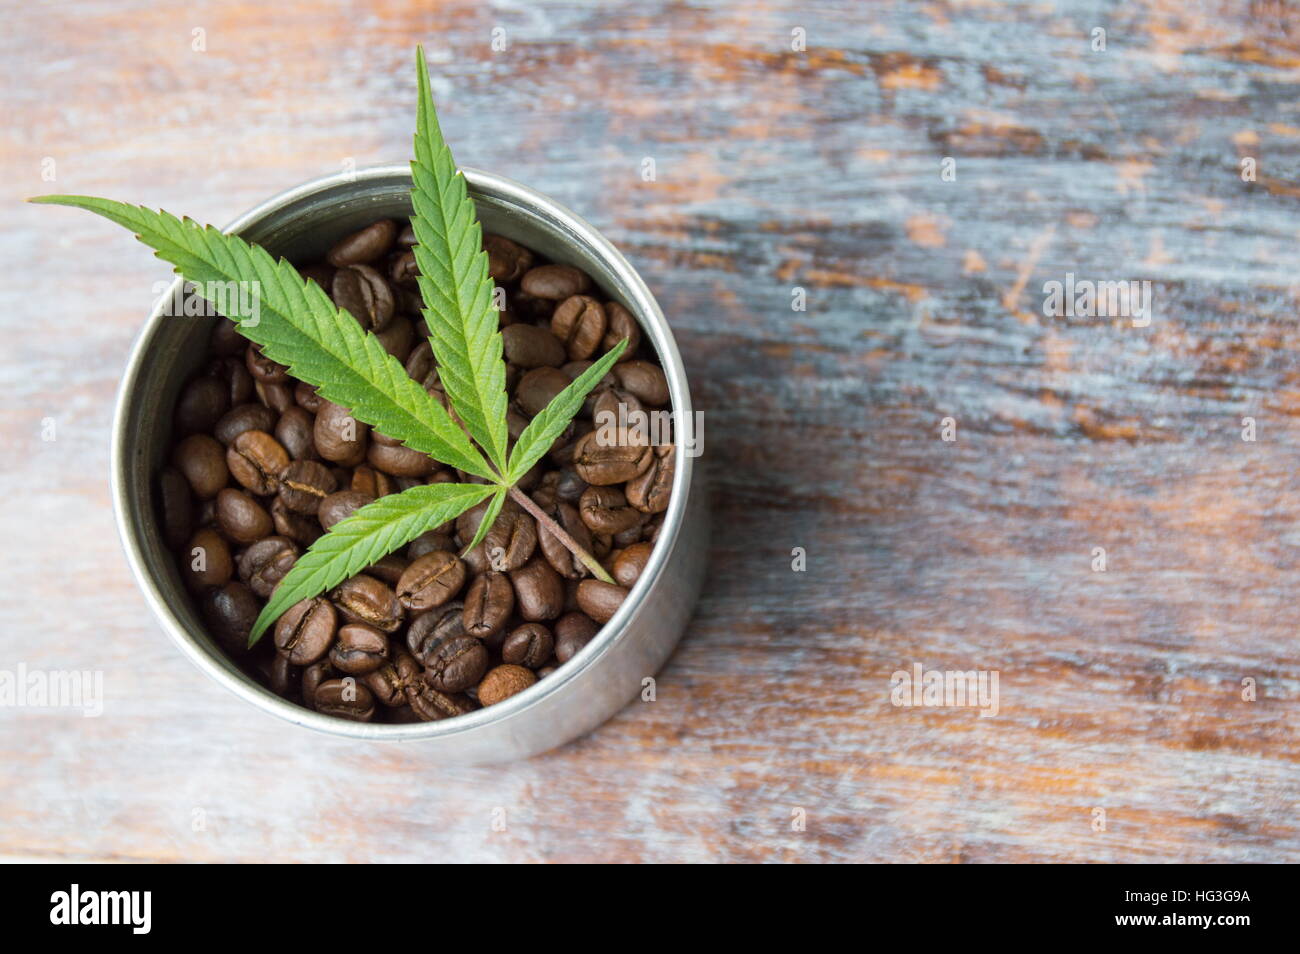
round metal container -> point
(301, 225)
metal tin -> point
(609, 672)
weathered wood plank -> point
(775, 170)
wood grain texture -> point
(775, 169)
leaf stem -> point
(555, 530)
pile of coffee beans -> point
(262, 466)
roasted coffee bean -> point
(650, 491)
(263, 368)
(244, 417)
(365, 294)
(306, 398)
(421, 366)
(602, 458)
(539, 591)
(507, 260)
(296, 432)
(432, 705)
(538, 387)
(373, 483)
(286, 678)
(201, 404)
(345, 699)
(489, 601)
(203, 462)
(399, 460)
(306, 630)
(572, 632)
(312, 676)
(388, 570)
(644, 379)
(265, 563)
(430, 581)
(339, 436)
(391, 680)
(611, 404)
(322, 273)
(226, 341)
(600, 600)
(554, 282)
(503, 682)
(304, 484)
(256, 459)
(530, 645)
(429, 630)
(341, 505)
(429, 541)
(630, 564)
(363, 599)
(278, 397)
(563, 560)
(403, 270)
(455, 664)
(230, 610)
(606, 510)
(241, 517)
(619, 326)
(359, 649)
(175, 507)
(580, 323)
(398, 338)
(364, 245)
(206, 560)
(300, 528)
(531, 347)
(511, 539)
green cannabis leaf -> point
(364, 538)
(463, 324)
(295, 324)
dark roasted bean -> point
(306, 630)
(345, 698)
(241, 517)
(572, 632)
(606, 510)
(341, 505)
(430, 581)
(530, 645)
(489, 601)
(363, 599)
(207, 560)
(539, 591)
(256, 459)
(304, 484)
(650, 491)
(244, 417)
(365, 294)
(503, 682)
(203, 462)
(600, 600)
(603, 458)
(364, 245)
(359, 649)
(296, 432)
(339, 436)
(230, 611)
(580, 323)
(554, 282)
(265, 563)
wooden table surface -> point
(1123, 733)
